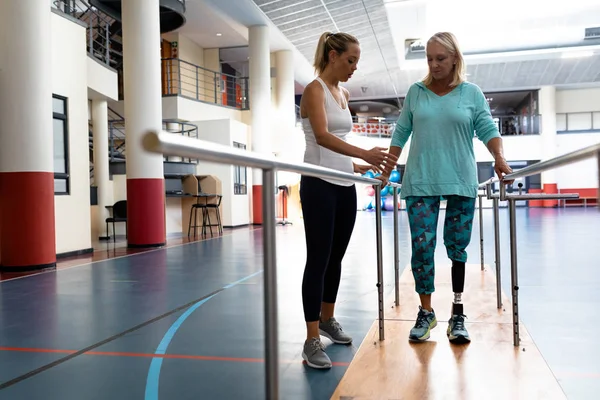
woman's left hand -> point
(501, 167)
(362, 169)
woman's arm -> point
(402, 131)
(313, 100)
(487, 132)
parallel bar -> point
(396, 251)
(481, 228)
(379, 237)
(561, 161)
(182, 146)
(514, 270)
(496, 208)
(270, 286)
(536, 196)
(598, 160)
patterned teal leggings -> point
(423, 215)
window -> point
(239, 174)
(61, 144)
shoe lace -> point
(459, 321)
(421, 320)
(335, 325)
(316, 344)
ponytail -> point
(328, 41)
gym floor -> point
(186, 321)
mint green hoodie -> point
(441, 159)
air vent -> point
(592, 33)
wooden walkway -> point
(490, 367)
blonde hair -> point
(328, 41)
(450, 43)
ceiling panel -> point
(380, 73)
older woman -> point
(443, 113)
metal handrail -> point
(542, 166)
(512, 198)
(162, 142)
(174, 145)
(560, 161)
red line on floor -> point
(150, 355)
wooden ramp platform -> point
(490, 367)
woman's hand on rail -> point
(501, 167)
(379, 158)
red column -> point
(27, 233)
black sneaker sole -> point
(459, 340)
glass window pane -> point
(58, 106)
(60, 186)
(59, 146)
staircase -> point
(116, 146)
(104, 28)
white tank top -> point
(339, 123)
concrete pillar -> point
(146, 226)
(101, 162)
(547, 107)
(27, 232)
(285, 90)
(260, 107)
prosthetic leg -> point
(458, 285)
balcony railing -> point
(511, 125)
(372, 127)
(103, 32)
(507, 125)
(181, 78)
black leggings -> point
(329, 213)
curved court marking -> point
(156, 364)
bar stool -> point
(206, 207)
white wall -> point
(191, 110)
(236, 208)
(583, 174)
(102, 80)
(69, 78)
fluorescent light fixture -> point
(219, 34)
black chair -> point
(119, 214)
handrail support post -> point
(396, 251)
(379, 239)
(270, 286)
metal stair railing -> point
(102, 30)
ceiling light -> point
(219, 34)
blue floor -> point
(201, 305)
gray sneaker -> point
(426, 321)
(314, 354)
(333, 331)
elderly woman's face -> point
(440, 61)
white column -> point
(260, 107)
(547, 107)
(260, 92)
(286, 137)
(175, 128)
(101, 161)
(143, 112)
(26, 136)
(286, 103)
